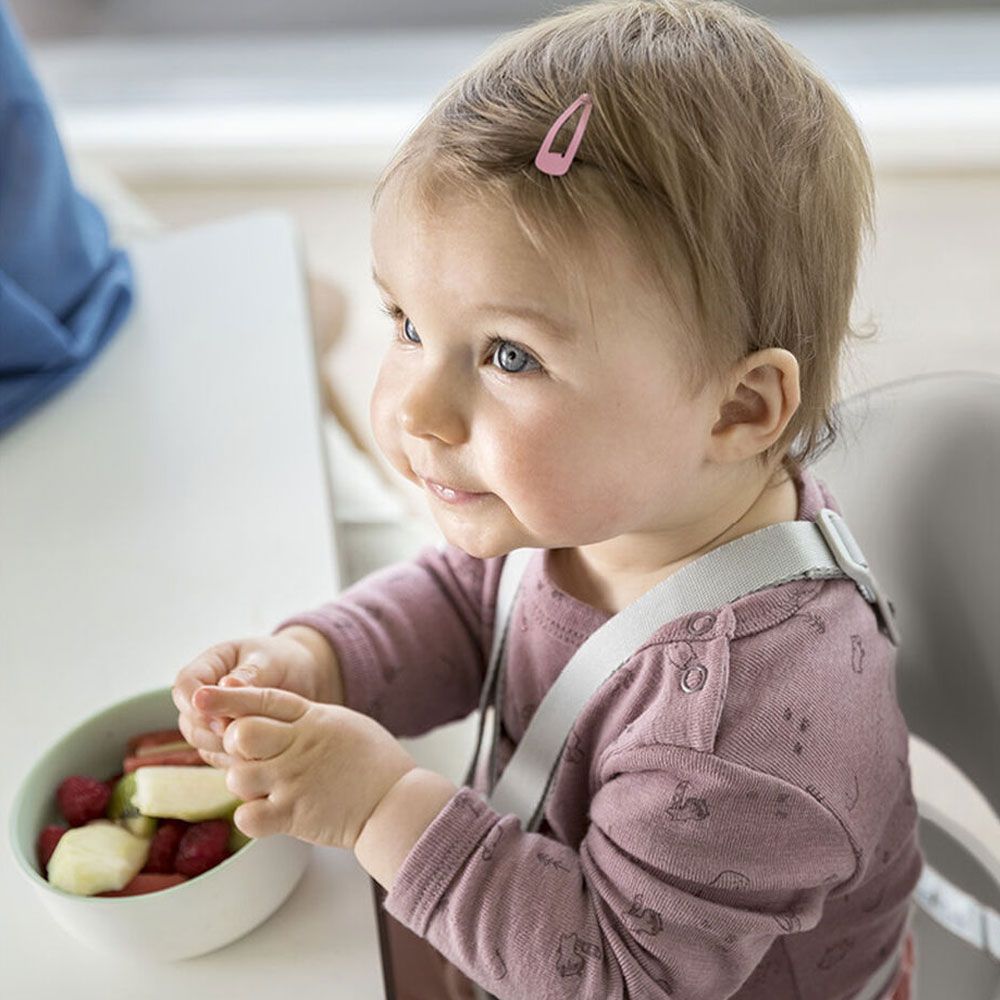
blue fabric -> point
(63, 289)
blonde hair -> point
(714, 152)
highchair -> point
(916, 471)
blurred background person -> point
(64, 289)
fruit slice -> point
(141, 826)
(122, 808)
(157, 748)
(191, 793)
(155, 758)
(145, 882)
(96, 857)
(152, 738)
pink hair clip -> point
(556, 164)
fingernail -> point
(217, 727)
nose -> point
(429, 408)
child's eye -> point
(515, 354)
(512, 352)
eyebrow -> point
(555, 329)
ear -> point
(761, 396)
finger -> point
(207, 668)
(254, 669)
(258, 818)
(236, 701)
(222, 761)
(256, 737)
(249, 781)
(196, 729)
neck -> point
(610, 575)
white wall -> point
(931, 282)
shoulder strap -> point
(511, 573)
(776, 554)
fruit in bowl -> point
(167, 813)
(182, 900)
(94, 858)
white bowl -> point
(200, 915)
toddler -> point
(620, 348)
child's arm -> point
(409, 642)
(399, 821)
(689, 870)
(325, 657)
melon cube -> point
(183, 792)
(96, 857)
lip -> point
(448, 493)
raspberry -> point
(82, 799)
(163, 848)
(47, 841)
(202, 847)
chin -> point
(480, 551)
(478, 548)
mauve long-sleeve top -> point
(754, 838)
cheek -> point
(553, 465)
(382, 414)
(598, 466)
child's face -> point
(572, 441)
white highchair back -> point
(916, 471)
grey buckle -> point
(852, 561)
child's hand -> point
(313, 771)
(292, 660)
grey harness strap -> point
(776, 554)
(773, 555)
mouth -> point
(449, 494)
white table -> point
(173, 496)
